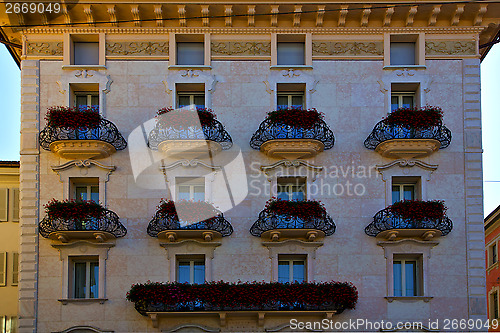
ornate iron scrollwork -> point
(269, 220)
(269, 130)
(387, 220)
(107, 132)
(161, 223)
(109, 222)
(383, 132)
(214, 132)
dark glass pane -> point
(190, 53)
(291, 53)
(94, 280)
(80, 281)
(407, 101)
(183, 272)
(184, 100)
(396, 195)
(411, 278)
(299, 272)
(398, 290)
(199, 272)
(283, 271)
(402, 53)
(394, 102)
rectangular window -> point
(190, 53)
(402, 192)
(15, 205)
(190, 94)
(4, 204)
(291, 50)
(493, 254)
(3, 269)
(85, 189)
(407, 276)
(3, 323)
(87, 100)
(291, 188)
(291, 269)
(402, 53)
(15, 268)
(86, 278)
(402, 100)
(494, 305)
(191, 270)
(86, 53)
(190, 188)
(290, 96)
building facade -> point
(9, 245)
(492, 233)
(353, 62)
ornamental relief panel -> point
(137, 48)
(347, 48)
(450, 48)
(45, 49)
(241, 48)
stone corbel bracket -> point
(270, 170)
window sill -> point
(404, 67)
(291, 67)
(190, 67)
(72, 67)
(65, 301)
(426, 299)
(491, 267)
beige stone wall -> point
(353, 95)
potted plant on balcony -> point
(80, 133)
(195, 132)
(77, 219)
(188, 219)
(409, 218)
(410, 132)
(293, 219)
(293, 133)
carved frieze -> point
(253, 48)
(450, 48)
(348, 48)
(136, 48)
(44, 48)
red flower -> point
(418, 118)
(303, 209)
(295, 117)
(190, 211)
(66, 117)
(418, 210)
(184, 118)
(73, 209)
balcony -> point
(410, 133)
(306, 220)
(80, 134)
(198, 220)
(71, 220)
(222, 299)
(185, 133)
(425, 220)
(293, 134)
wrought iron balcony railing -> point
(383, 132)
(386, 220)
(269, 220)
(171, 222)
(270, 130)
(107, 132)
(213, 132)
(109, 222)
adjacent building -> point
(492, 235)
(344, 79)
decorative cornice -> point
(242, 48)
(324, 48)
(136, 48)
(83, 164)
(407, 163)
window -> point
(407, 276)
(291, 188)
(190, 188)
(86, 100)
(86, 53)
(494, 305)
(191, 94)
(291, 50)
(402, 100)
(191, 270)
(3, 269)
(402, 192)
(3, 324)
(290, 96)
(85, 278)
(493, 255)
(15, 205)
(291, 269)
(9, 204)
(85, 189)
(402, 53)
(191, 50)
(15, 268)
(4, 204)
(404, 49)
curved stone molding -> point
(270, 170)
(407, 148)
(82, 149)
(192, 148)
(451, 48)
(138, 48)
(44, 49)
(190, 163)
(292, 148)
(347, 48)
(407, 163)
(81, 329)
(241, 49)
(190, 327)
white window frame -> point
(418, 272)
(15, 268)
(88, 94)
(197, 181)
(290, 260)
(290, 185)
(401, 189)
(88, 262)
(82, 182)
(400, 96)
(191, 97)
(175, 37)
(290, 95)
(191, 261)
(3, 269)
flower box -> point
(71, 219)
(293, 134)
(76, 133)
(411, 218)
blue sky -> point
(10, 98)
